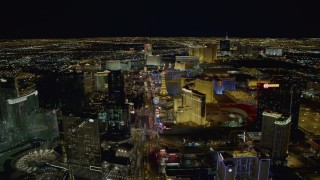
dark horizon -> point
(203, 18)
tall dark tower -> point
(117, 111)
(116, 87)
(282, 95)
(64, 90)
(47, 85)
(71, 93)
(225, 44)
(293, 86)
(275, 135)
(118, 121)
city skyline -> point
(204, 18)
(159, 108)
(159, 89)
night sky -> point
(208, 18)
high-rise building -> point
(21, 119)
(154, 60)
(147, 50)
(63, 90)
(275, 135)
(101, 80)
(48, 87)
(193, 107)
(88, 81)
(15, 112)
(173, 81)
(186, 62)
(282, 95)
(209, 54)
(225, 46)
(292, 85)
(116, 87)
(71, 93)
(81, 138)
(196, 51)
(205, 54)
(117, 114)
(42, 126)
(118, 121)
(205, 87)
(242, 165)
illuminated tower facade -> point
(205, 87)
(116, 87)
(282, 95)
(193, 107)
(242, 165)
(117, 111)
(173, 81)
(275, 135)
(163, 90)
(205, 54)
(147, 50)
(209, 54)
(15, 113)
(82, 145)
(118, 121)
(21, 119)
(101, 80)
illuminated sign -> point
(266, 86)
(3, 80)
(156, 100)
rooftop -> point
(241, 95)
(236, 154)
(272, 114)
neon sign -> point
(266, 86)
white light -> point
(91, 120)
(3, 80)
(230, 170)
(270, 85)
